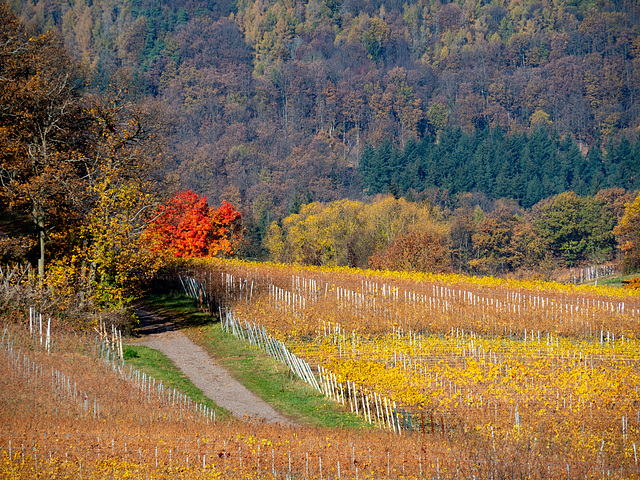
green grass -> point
(178, 308)
(158, 366)
(614, 281)
(268, 378)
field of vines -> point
(70, 407)
(544, 373)
(458, 378)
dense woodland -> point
(277, 100)
(481, 115)
(526, 167)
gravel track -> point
(214, 381)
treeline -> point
(274, 101)
(84, 187)
(498, 238)
(524, 167)
(80, 177)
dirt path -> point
(214, 381)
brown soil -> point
(214, 381)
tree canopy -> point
(628, 232)
(186, 226)
(522, 100)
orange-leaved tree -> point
(227, 229)
(187, 227)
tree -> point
(321, 234)
(346, 232)
(187, 227)
(120, 259)
(462, 229)
(44, 145)
(182, 226)
(417, 251)
(406, 107)
(437, 116)
(628, 234)
(83, 167)
(575, 228)
(123, 187)
(375, 33)
(226, 232)
(530, 249)
(540, 118)
(493, 242)
(615, 200)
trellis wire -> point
(258, 337)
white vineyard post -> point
(48, 343)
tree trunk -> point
(41, 237)
(38, 218)
(84, 283)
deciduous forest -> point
(276, 99)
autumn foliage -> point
(187, 227)
(415, 251)
(628, 233)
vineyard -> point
(458, 378)
(531, 363)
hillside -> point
(276, 101)
(209, 99)
(435, 376)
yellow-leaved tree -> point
(320, 234)
(628, 234)
(119, 261)
(348, 233)
(124, 187)
(110, 260)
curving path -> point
(214, 381)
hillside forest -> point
(471, 136)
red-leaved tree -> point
(226, 229)
(187, 227)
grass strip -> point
(158, 366)
(615, 281)
(269, 379)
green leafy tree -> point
(575, 229)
